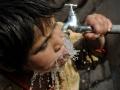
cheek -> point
(57, 40)
(43, 61)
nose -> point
(65, 52)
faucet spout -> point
(73, 24)
(71, 20)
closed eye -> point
(42, 47)
(45, 42)
(57, 48)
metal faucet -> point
(71, 20)
(73, 24)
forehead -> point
(44, 27)
(43, 32)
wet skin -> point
(48, 50)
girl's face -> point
(47, 51)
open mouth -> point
(62, 59)
(59, 62)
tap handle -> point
(71, 8)
(71, 5)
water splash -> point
(33, 78)
(51, 82)
(69, 45)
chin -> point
(56, 65)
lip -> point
(62, 59)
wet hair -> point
(17, 18)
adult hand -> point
(100, 25)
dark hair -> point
(17, 18)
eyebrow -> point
(47, 38)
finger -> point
(96, 22)
(99, 23)
(91, 36)
(104, 23)
(90, 19)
